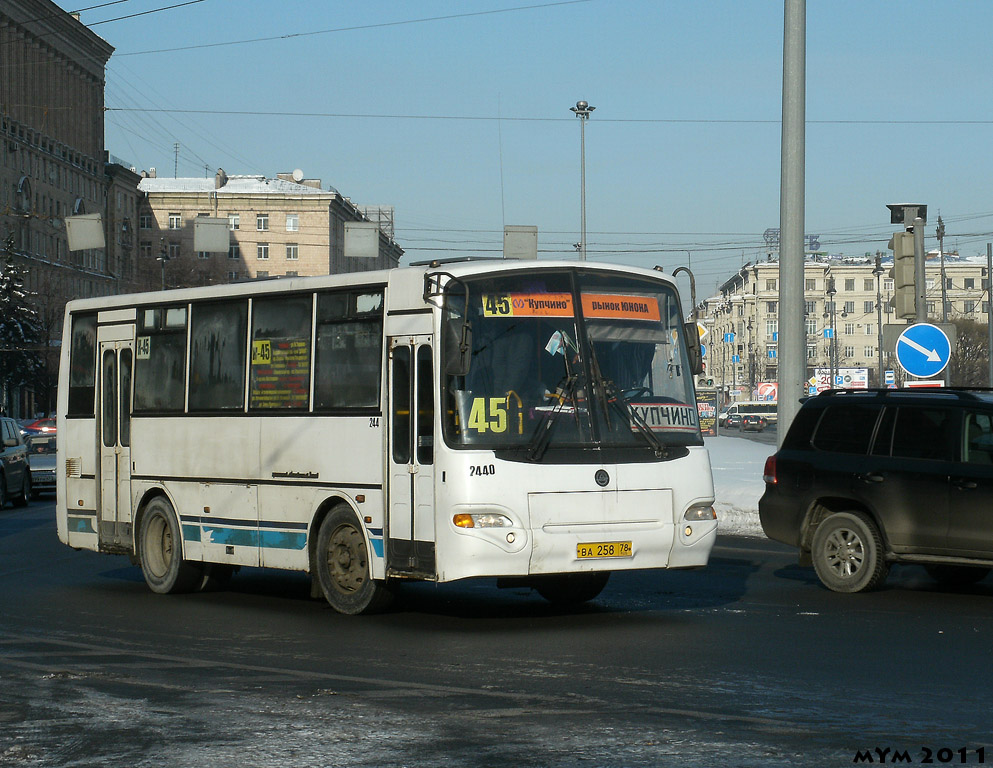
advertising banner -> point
(706, 403)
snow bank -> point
(737, 464)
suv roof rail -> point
(964, 393)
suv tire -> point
(848, 555)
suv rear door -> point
(906, 477)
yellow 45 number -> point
(488, 414)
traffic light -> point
(903, 301)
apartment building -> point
(285, 226)
(845, 301)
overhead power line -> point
(491, 118)
(358, 27)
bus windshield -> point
(572, 359)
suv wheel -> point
(848, 553)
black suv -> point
(866, 478)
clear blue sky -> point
(682, 152)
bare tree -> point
(968, 366)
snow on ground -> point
(737, 465)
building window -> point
(262, 251)
(888, 284)
(869, 328)
(849, 351)
(829, 307)
(810, 284)
(970, 307)
(292, 222)
(986, 307)
(145, 221)
(868, 306)
(771, 307)
(948, 283)
(203, 254)
(811, 352)
(849, 307)
(174, 251)
(145, 248)
(867, 284)
(869, 352)
(810, 307)
(811, 326)
(930, 308)
(929, 283)
(175, 221)
(850, 284)
(232, 276)
(262, 222)
(234, 251)
(262, 273)
(292, 274)
(770, 284)
(234, 221)
(849, 328)
(969, 283)
(771, 326)
(292, 251)
(948, 307)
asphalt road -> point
(748, 662)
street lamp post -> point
(833, 346)
(878, 272)
(582, 110)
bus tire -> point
(343, 567)
(160, 551)
(571, 588)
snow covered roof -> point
(236, 185)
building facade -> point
(278, 227)
(53, 166)
(845, 303)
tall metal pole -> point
(941, 256)
(878, 272)
(989, 307)
(582, 110)
(792, 334)
(920, 279)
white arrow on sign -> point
(932, 354)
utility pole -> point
(175, 167)
(941, 256)
(582, 110)
(920, 281)
(989, 307)
(792, 333)
(878, 272)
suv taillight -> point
(769, 473)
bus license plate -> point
(604, 549)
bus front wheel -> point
(571, 588)
(160, 551)
(343, 568)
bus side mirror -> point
(694, 351)
(458, 348)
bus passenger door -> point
(410, 534)
(116, 345)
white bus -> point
(533, 422)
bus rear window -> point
(82, 366)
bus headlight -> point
(700, 512)
(485, 520)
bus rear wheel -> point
(160, 551)
(343, 567)
(571, 588)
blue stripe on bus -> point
(377, 546)
(81, 524)
(191, 532)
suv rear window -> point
(846, 428)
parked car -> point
(38, 426)
(865, 479)
(41, 463)
(752, 422)
(15, 480)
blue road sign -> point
(735, 358)
(923, 350)
(728, 338)
(703, 350)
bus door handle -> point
(412, 469)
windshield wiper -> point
(609, 395)
(543, 432)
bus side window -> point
(401, 405)
(425, 407)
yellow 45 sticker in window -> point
(488, 414)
